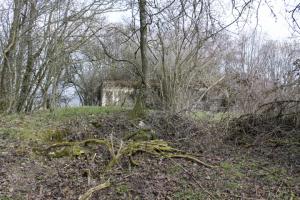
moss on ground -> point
(174, 170)
(190, 194)
(122, 189)
(5, 198)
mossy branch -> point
(88, 194)
(80, 143)
(159, 148)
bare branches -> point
(66, 26)
(295, 11)
(118, 59)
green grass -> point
(5, 198)
(174, 170)
(234, 171)
(258, 169)
(122, 189)
(67, 113)
(9, 198)
(34, 126)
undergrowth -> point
(155, 155)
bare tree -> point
(36, 52)
(259, 71)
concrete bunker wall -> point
(117, 94)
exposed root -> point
(133, 162)
(159, 148)
(73, 148)
(153, 147)
(88, 194)
(80, 143)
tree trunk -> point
(5, 78)
(26, 82)
(140, 104)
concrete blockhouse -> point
(117, 93)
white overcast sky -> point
(276, 28)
